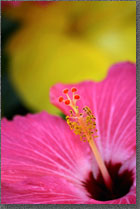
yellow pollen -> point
(82, 124)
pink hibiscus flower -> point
(44, 162)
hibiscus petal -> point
(38, 150)
(113, 102)
(41, 190)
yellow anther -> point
(82, 124)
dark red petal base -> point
(121, 184)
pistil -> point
(84, 124)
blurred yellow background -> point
(67, 42)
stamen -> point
(84, 124)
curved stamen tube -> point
(84, 124)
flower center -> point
(97, 189)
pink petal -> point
(44, 189)
(113, 101)
(36, 149)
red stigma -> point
(65, 91)
(76, 96)
(73, 89)
(67, 102)
(61, 99)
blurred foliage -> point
(67, 42)
(10, 102)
